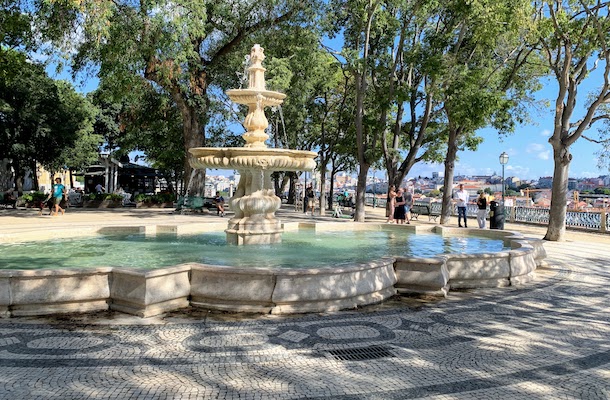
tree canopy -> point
(42, 120)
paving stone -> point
(548, 339)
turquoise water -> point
(297, 250)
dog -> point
(45, 203)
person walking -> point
(462, 201)
(482, 209)
(391, 204)
(58, 191)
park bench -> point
(8, 200)
(195, 203)
(423, 209)
(338, 212)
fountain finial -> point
(256, 77)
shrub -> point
(156, 198)
(104, 196)
(34, 197)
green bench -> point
(423, 209)
(195, 203)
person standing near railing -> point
(462, 201)
(482, 209)
(399, 208)
(391, 201)
(408, 196)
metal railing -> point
(598, 221)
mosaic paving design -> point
(546, 340)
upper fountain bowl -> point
(240, 158)
(267, 98)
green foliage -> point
(146, 121)
(15, 27)
(33, 197)
(104, 196)
(187, 51)
(42, 120)
(601, 190)
(156, 198)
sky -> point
(530, 154)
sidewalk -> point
(546, 340)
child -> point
(58, 193)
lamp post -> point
(503, 162)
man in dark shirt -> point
(310, 197)
(220, 204)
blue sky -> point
(530, 154)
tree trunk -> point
(448, 181)
(559, 204)
(323, 164)
(331, 189)
(292, 188)
(18, 176)
(361, 191)
(193, 137)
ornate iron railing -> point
(531, 215)
(527, 214)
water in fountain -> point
(243, 76)
(303, 249)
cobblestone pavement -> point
(545, 340)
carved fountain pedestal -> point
(254, 202)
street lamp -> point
(503, 161)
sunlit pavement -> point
(546, 340)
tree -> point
(483, 57)
(145, 120)
(80, 115)
(363, 26)
(332, 110)
(40, 120)
(415, 133)
(574, 41)
(180, 47)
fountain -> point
(318, 287)
(254, 202)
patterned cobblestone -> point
(546, 340)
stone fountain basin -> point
(261, 290)
(241, 158)
(251, 96)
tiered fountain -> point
(254, 202)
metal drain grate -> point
(361, 353)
